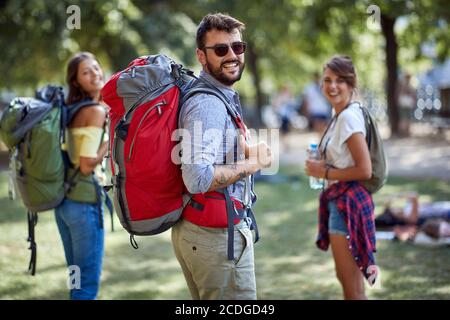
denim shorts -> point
(336, 222)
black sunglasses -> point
(221, 49)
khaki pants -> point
(202, 254)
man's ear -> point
(201, 56)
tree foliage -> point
(288, 39)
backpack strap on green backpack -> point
(367, 122)
(32, 221)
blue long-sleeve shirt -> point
(209, 139)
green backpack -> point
(377, 154)
(33, 129)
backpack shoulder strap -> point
(73, 109)
(368, 123)
(68, 112)
(206, 88)
(68, 115)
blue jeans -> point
(83, 240)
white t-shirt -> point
(348, 122)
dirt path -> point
(416, 157)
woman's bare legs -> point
(347, 271)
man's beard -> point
(222, 77)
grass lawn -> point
(288, 265)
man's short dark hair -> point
(219, 21)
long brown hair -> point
(76, 92)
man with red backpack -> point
(213, 241)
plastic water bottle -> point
(314, 154)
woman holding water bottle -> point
(346, 211)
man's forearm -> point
(227, 174)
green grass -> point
(288, 265)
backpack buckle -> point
(122, 129)
(176, 70)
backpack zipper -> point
(158, 106)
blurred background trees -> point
(288, 40)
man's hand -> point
(257, 157)
(259, 154)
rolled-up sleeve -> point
(202, 120)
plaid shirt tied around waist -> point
(355, 202)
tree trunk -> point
(252, 60)
(387, 27)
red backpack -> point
(144, 102)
